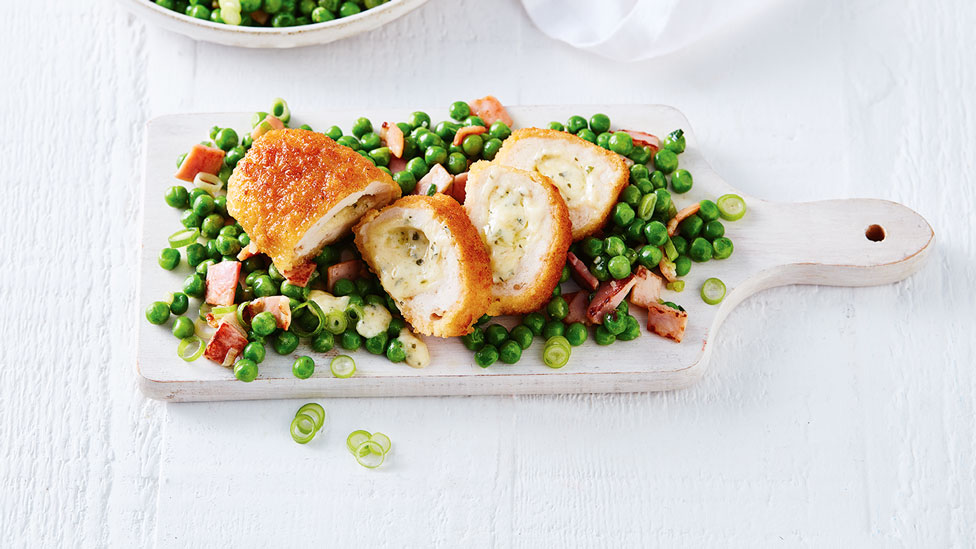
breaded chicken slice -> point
(588, 176)
(296, 191)
(523, 221)
(431, 261)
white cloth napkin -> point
(628, 30)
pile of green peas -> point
(269, 13)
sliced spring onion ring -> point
(670, 251)
(731, 207)
(302, 429)
(319, 315)
(713, 291)
(343, 366)
(558, 340)
(222, 310)
(280, 110)
(183, 238)
(676, 286)
(315, 411)
(336, 322)
(204, 309)
(183, 349)
(383, 440)
(208, 182)
(356, 438)
(370, 454)
(355, 312)
(240, 315)
(555, 355)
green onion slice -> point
(240, 315)
(183, 238)
(356, 438)
(280, 110)
(713, 291)
(355, 312)
(370, 454)
(336, 322)
(302, 429)
(315, 411)
(223, 310)
(186, 344)
(208, 182)
(731, 207)
(383, 440)
(676, 286)
(558, 340)
(204, 309)
(319, 315)
(556, 355)
(670, 251)
(645, 210)
(343, 366)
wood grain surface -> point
(828, 417)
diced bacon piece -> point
(272, 124)
(222, 282)
(457, 188)
(577, 302)
(393, 136)
(248, 251)
(581, 274)
(299, 276)
(227, 342)
(666, 322)
(668, 270)
(439, 177)
(277, 305)
(466, 131)
(490, 110)
(685, 213)
(607, 297)
(201, 158)
(644, 139)
(396, 165)
(647, 288)
(351, 270)
(260, 16)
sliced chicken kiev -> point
(296, 191)
(588, 176)
(431, 261)
(524, 222)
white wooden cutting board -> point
(775, 244)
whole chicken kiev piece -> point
(296, 191)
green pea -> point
(377, 344)
(645, 186)
(499, 130)
(592, 246)
(180, 303)
(211, 225)
(708, 210)
(361, 127)
(623, 214)
(486, 356)
(534, 322)
(190, 220)
(475, 340)
(397, 324)
(641, 155)
(681, 181)
(614, 322)
(406, 180)
(635, 232)
(446, 130)
(522, 335)
(272, 6)
(510, 352)
(621, 143)
(265, 287)
(638, 171)
(303, 367)
(603, 140)
(395, 351)
(600, 123)
(675, 141)
(253, 276)
(602, 336)
(558, 126)
(198, 11)
(334, 133)
(713, 230)
(194, 286)
(212, 252)
(230, 230)
(618, 267)
(587, 135)
(700, 250)
(203, 205)
(294, 291)
(553, 328)
(228, 245)
(381, 155)
(370, 141)
(343, 287)
(680, 244)
(650, 256)
(459, 110)
(419, 119)
(496, 334)
(456, 163)
(557, 291)
(183, 327)
(474, 121)
(348, 9)
(418, 167)
(285, 343)
(665, 161)
(472, 145)
(631, 195)
(351, 340)
(283, 20)
(435, 155)
(177, 196)
(682, 265)
(632, 329)
(226, 139)
(690, 227)
(655, 233)
(157, 312)
(557, 308)
(658, 180)
(614, 245)
(663, 203)
(169, 258)
(721, 247)
(321, 15)
(264, 323)
(429, 139)
(565, 274)
(575, 334)
(599, 270)
(254, 351)
(575, 123)
(245, 370)
(350, 141)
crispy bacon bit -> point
(201, 158)
(647, 288)
(396, 165)
(350, 270)
(457, 188)
(685, 213)
(229, 340)
(248, 251)
(490, 110)
(466, 131)
(581, 274)
(644, 139)
(607, 297)
(668, 270)
(577, 302)
(260, 16)
(222, 282)
(666, 322)
(277, 305)
(439, 177)
(393, 136)
(272, 124)
(299, 276)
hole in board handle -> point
(875, 233)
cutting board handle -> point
(853, 242)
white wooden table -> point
(828, 416)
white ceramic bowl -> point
(268, 37)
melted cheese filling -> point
(567, 173)
(416, 350)
(375, 321)
(409, 264)
(512, 219)
(341, 218)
